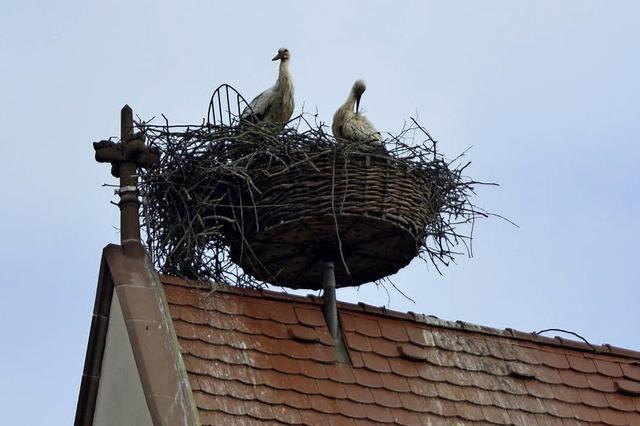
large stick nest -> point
(221, 191)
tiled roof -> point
(257, 356)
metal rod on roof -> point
(329, 298)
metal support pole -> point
(329, 298)
(330, 310)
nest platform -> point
(241, 204)
(366, 212)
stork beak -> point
(358, 102)
(278, 56)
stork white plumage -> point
(351, 125)
(274, 105)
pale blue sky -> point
(546, 92)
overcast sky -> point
(546, 92)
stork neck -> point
(350, 103)
(284, 77)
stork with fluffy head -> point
(275, 105)
(349, 124)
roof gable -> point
(120, 398)
(126, 271)
(254, 356)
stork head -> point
(358, 89)
(283, 54)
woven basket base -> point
(292, 253)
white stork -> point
(351, 125)
(274, 105)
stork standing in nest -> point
(275, 105)
(350, 125)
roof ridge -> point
(431, 320)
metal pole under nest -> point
(329, 298)
(330, 310)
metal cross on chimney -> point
(126, 157)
